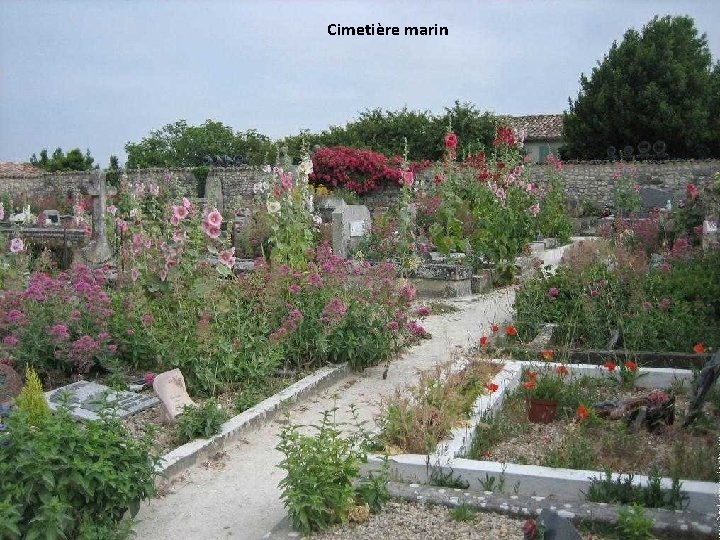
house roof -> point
(10, 169)
(538, 126)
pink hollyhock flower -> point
(286, 181)
(187, 204)
(174, 220)
(122, 225)
(407, 178)
(211, 230)
(17, 245)
(214, 218)
(180, 211)
(227, 257)
(451, 141)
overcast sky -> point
(96, 74)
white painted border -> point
(536, 480)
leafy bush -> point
(623, 491)
(359, 171)
(65, 479)
(32, 399)
(200, 421)
(318, 489)
(633, 524)
(553, 220)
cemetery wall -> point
(584, 180)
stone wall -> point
(583, 180)
(594, 180)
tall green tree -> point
(74, 160)
(183, 145)
(385, 131)
(654, 86)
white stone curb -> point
(185, 456)
(533, 479)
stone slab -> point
(481, 282)
(10, 383)
(437, 288)
(443, 271)
(170, 388)
(86, 399)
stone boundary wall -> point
(590, 180)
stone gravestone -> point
(10, 383)
(98, 252)
(170, 388)
(52, 217)
(350, 224)
(557, 527)
(86, 399)
(653, 197)
(214, 192)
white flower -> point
(317, 219)
(273, 207)
(266, 168)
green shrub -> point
(32, 399)
(200, 421)
(318, 489)
(65, 479)
(633, 524)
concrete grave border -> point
(187, 455)
(533, 480)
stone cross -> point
(99, 250)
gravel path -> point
(237, 496)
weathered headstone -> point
(557, 527)
(86, 399)
(214, 192)
(328, 206)
(10, 383)
(654, 197)
(350, 224)
(52, 217)
(98, 252)
(170, 388)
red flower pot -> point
(541, 411)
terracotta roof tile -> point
(538, 126)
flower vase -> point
(541, 411)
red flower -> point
(492, 387)
(692, 191)
(484, 341)
(582, 412)
(548, 354)
(530, 529)
(562, 370)
(530, 385)
(495, 328)
(610, 365)
(511, 331)
(451, 141)
(699, 348)
(532, 375)
(631, 366)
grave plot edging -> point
(531, 479)
(185, 456)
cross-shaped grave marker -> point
(98, 252)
